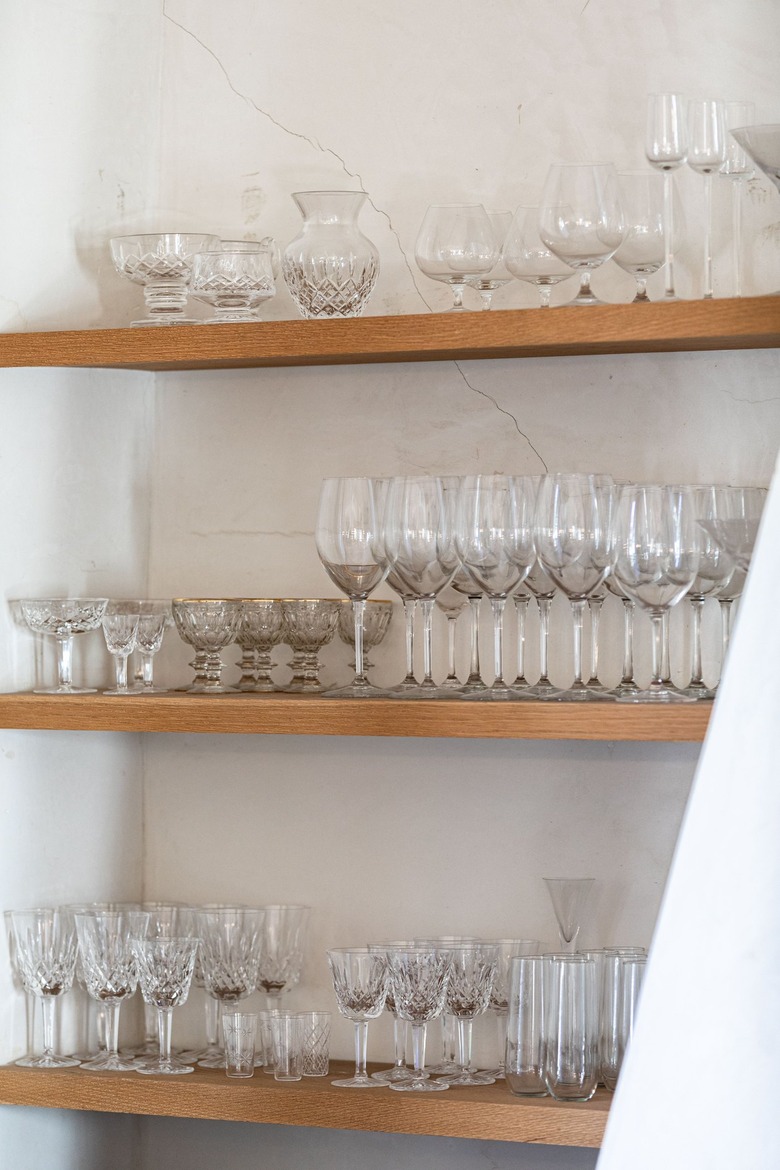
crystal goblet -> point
(309, 623)
(235, 283)
(360, 981)
(418, 977)
(230, 948)
(281, 955)
(162, 263)
(209, 625)
(259, 630)
(45, 948)
(62, 618)
(165, 968)
(472, 971)
(110, 973)
(120, 630)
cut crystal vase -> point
(330, 267)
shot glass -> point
(571, 1070)
(524, 1061)
(239, 1030)
(315, 1043)
(287, 1033)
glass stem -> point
(147, 669)
(628, 641)
(112, 1026)
(399, 1042)
(577, 612)
(121, 672)
(164, 1022)
(666, 658)
(474, 672)
(465, 1032)
(594, 605)
(212, 1021)
(418, 1048)
(544, 604)
(487, 297)
(725, 626)
(457, 295)
(658, 649)
(501, 1025)
(521, 609)
(585, 289)
(358, 610)
(497, 606)
(736, 232)
(451, 620)
(708, 291)
(409, 604)
(65, 661)
(545, 295)
(697, 604)
(361, 1048)
(669, 233)
(426, 605)
(47, 1014)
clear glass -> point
(507, 950)
(309, 624)
(109, 973)
(62, 618)
(528, 258)
(643, 250)
(418, 978)
(282, 951)
(571, 1027)
(738, 167)
(165, 968)
(360, 981)
(623, 974)
(455, 244)
(209, 625)
(488, 283)
(525, 1033)
(716, 568)
(234, 283)
(570, 898)
(666, 148)
(472, 972)
(762, 144)
(162, 263)
(230, 948)
(239, 1032)
(452, 604)
(706, 155)
(581, 219)
(330, 268)
(154, 618)
(399, 1070)
(259, 630)
(120, 630)
(45, 949)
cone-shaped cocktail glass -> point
(570, 897)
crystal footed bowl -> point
(162, 263)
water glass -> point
(315, 1043)
(287, 1037)
(524, 1061)
(571, 1028)
(239, 1030)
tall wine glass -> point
(642, 251)
(456, 242)
(544, 589)
(498, 276)
(165, 969)
(658, 547)
(575, 544)
(282, 950)
(738, 167)
(360, 981)
(110, 973)
(418, 542)
(706, 155)
(529, 259)
(346, 534)
(418, 978)
(581, 219)
(469, 987)
(494, 541)
(716, 568)
(666, 148)
(45, 950)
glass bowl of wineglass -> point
(456, 244)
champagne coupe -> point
(230, 949)
(154, 618)
(259, 630)
(642, 251)
(569, 897)
(209, 625)
(360, 981)
(658, 548)
(309, 624)
(346, 533)
(162, 263)
(45, 947)
(165, 968)
(666, 148)
(120, 630)
(418, 977)
(494, 541)
(581, 219)
(235, 283)
(715, 571)
(110, 973)
(762, 144)
(418, 542)
(283, 942)
(706, 155)
(376, 621)
(456, 243)
(469, 987)
(63, 618)
(529, 259)
(498, 275)
(738, 167)
(575, 545)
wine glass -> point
(230, 949)
(706, 155)
(418, 541)
(154, 618)
(642, 251)
(281, 954)
(234, 282)
(472, 971)
(715, 570)
(162, 263)
(498, 275)
(738, 167)
(398, 1071)
(45, 947)
(543, 589)
(63, 618)
(569, 897)
(360, 982)
(666, 148)
(575, 545)
(658, 547)
(452, 604)
(529, 259)
(494, 541)
(418, 977)
(120, 631)
(581, 219)
(209, 625)
(165, 968)
(345, 535)
(110, 973)
(737, 532)
(456, 242)
(627, 684)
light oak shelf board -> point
(487, 1113)
(312, 715)
(736, 323)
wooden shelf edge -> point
(312, 715)
(489, 1113)
(728, 323)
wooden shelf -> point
(312, 715)
(488, 1113)
(743, 323)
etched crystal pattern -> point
(331, 290)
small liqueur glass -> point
(62, 618)
(309, 624)
(120, 630)
(234, 283)
(360, 981)
(209, 625)
(162, 263)
(154, 617)
(260, 628)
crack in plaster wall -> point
(501, 410)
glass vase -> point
(330, 267)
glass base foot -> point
(106, 1063)
(417, 1085)
(156, 322)
(164, 1069)
(656, 695)
(52, 1060)
(64, 690)
(359, 1083)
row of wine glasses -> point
(230, 951)
(652, 542)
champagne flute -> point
(456, 243)
(706, 155)
(581, 219)
(346, 533)
(529, 259)
(666, 148)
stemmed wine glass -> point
(346, 534)
(543, 589)
(529, 259)
(706, 155)
(456, 242)
(165, 968)
(281, 956)
(110, 973)
(666, 148)
(154, 617)
(398, 1071)
(715, 570)
(642, 251)
(627, 684)
(63, 618)
(472, 971)
(498, 275)
(418, 977)
(230, 948)
(45, 948)
(581, 219)
(494, 541)
(569, 897)
(120, 630)
(658, 547)
(418, 541)
(452, 604)
(575, 544)
(360, 981)
(738, 167)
